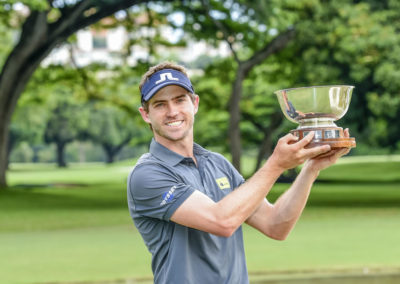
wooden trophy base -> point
(333, 136)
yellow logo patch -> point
(223, 183)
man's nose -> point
(172, 109)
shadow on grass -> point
(309, 278)
(368, 195)
(389, 275)
(49, 185)
(36, 198)
(358, 181)
(355, 204)
(342, 279)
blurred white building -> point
(107, 46)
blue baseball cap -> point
(163, 78)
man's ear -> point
(196, 103)
(144, 114)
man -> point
(189, 203)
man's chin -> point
(172, 137)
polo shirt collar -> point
(170, 157)
(198, 150)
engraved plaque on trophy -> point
(316, 109)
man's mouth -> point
(175, 123)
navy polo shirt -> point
(159, 183)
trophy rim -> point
(310, 87)
(294, 92)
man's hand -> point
(290, 152)
(320, 163)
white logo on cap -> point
(165, 76)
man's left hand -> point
(322, 162)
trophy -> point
(315, 109)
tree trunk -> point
(244, 67)
(264, 151)
(109, 156)
(10, 146)
(289, 176)
(112, 150)
(234, 119)
(16, 72)
(35, 149)
(266, 145)
(3, 153)
(38, 38)
(61, 155)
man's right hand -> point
(290, 152)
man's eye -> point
(158, 105)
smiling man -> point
(189, 203)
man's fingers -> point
(316, 151)
(289, 138)
(306, 140)
(341, 151)
(334, 152)
(326, 154)
(346, 133)
(344, 151)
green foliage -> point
(6, 43)
(337, 42)
(107, 125)
(28, 124)
(64, 123)
(113, 129)
(31, 4)
(213, 89)
(95, 102)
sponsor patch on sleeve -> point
(168, 196)
(223, 183)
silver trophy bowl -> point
(316, 109)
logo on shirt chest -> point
(223, 183)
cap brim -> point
(156, 88)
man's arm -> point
(277, 220)
(224, 217)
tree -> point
(27, 124)
(63, 128)
(48, 24)
(359, 47)
(34, 107)
(336, 42)
(242, 25)
(112, 129)
(56, 91)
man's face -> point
(171, 114)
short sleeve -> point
(236, 178)
(155, 191)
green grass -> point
(69, 255)
(338, 229)
(363, 172)
(85, 174)
(73, 225)
(330, 238)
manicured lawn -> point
(74, 225)
(358, 171)
(72, 255)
